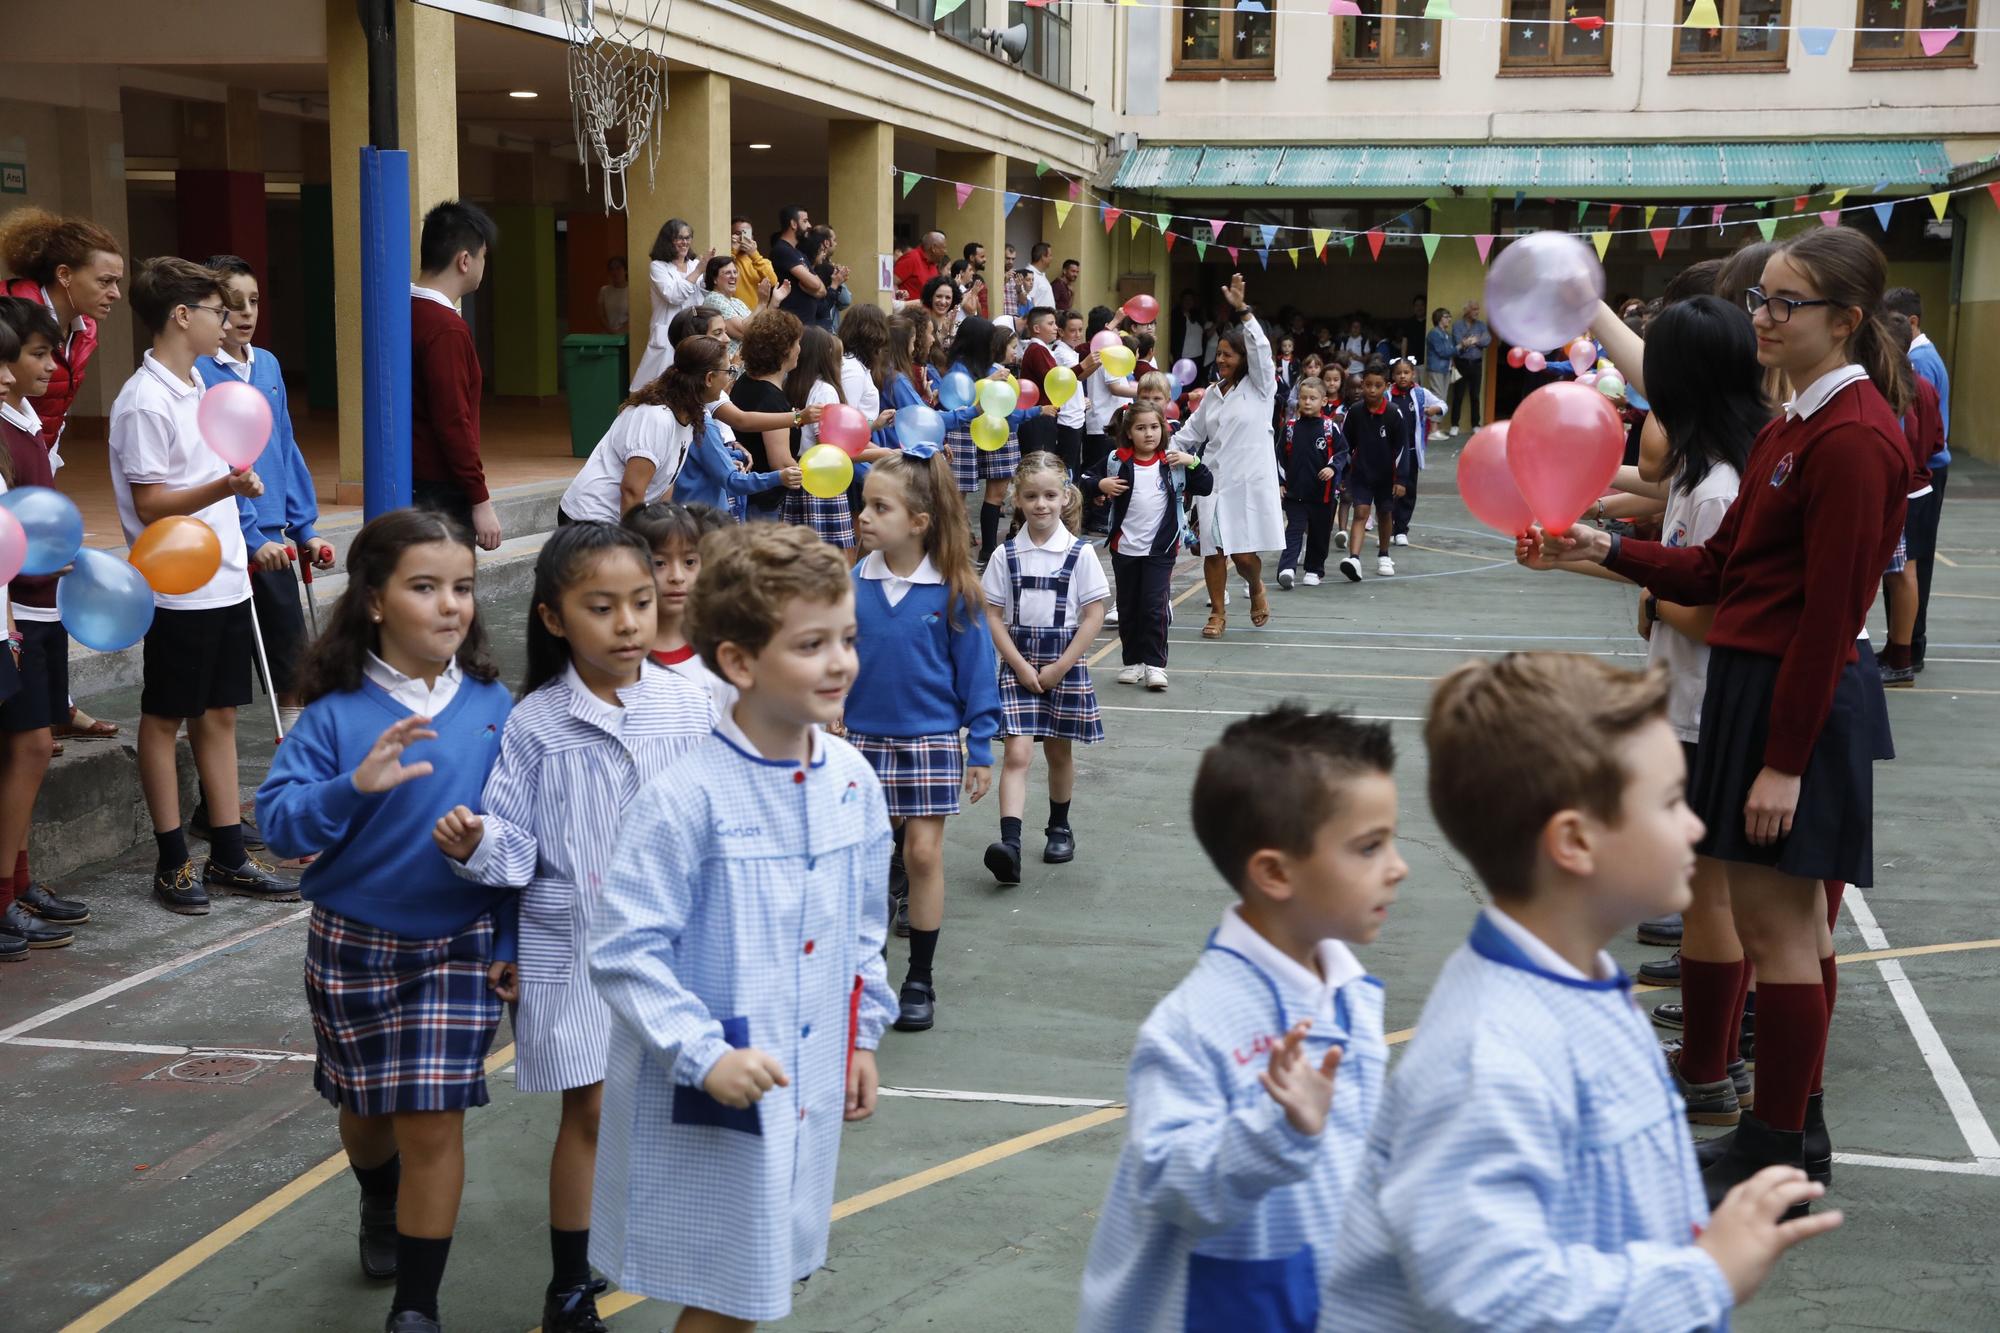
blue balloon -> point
(919, 425)
(54, 527)
(105, 602)
(956, 390)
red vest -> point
(53, 406)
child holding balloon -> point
(814, 381)
(927, 672)
(165, 464)
(982, 456)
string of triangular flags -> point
(1266, 235)
(1702, 15)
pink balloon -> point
(1517, 357)
(235, 422)
(1588, 379)
(13, 546)
(1142, 309)
(1582, 354)
(1564, 446)
(845, 427)
(1487, 487)
(1105, 339)
(1536, 362)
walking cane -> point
(312, 605)
(264, 665)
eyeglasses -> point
(221, 313)
(1781, 307)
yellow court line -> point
(1917, 951)
(132, 1296)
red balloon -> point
(1564, 446)
(1487, 487)
(1030, 396)
(1516, 355)
(1142, 309)
(1171, 412)
(845, 428)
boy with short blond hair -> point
(1242, 1141)
(1530, 1168)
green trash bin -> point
(594, 370)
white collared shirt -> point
(1336, 962)
(240, 369)
(433, 294)
(1540, 954)
(22, 416)
(726, 727)
(410, 691)
(895, 586)
(1822, 389)
(156, 441)
(1087, 583)
(1072, 412)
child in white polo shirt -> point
(198, 651)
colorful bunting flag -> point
(1320, 236)
(1375, 239)
(1215, 226)
(1430, 246)
(1838, 196)
(1816, 41)
(1483, 242)
(1882, 215)
(1163, 221)
(1041, 168)
(1343, 8)
(1232, 253)
(1715, 214)
(1799, 204)
(1294, 253)
(1616, 209)
(945, 7)
(1994, 190)
(1702, 16)
(1767, 226)
(1133, 219)
(1829, 217)
(1602, 240)
(1169, 238)
(1582, 207)
(1520, 197)
(910, 179)
(1267, 234)
(1939, 202)
(1062, 213)
(1075, 191)
(1111, 216)
(1264, 255)
(963, 191)
(1200, 249)
(1347, 244)
(1681, 221)
(1934, 40)
(1650, 210)
(1660, 237)
(1007, 202)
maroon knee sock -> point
(1791, 1040)
(1829, 981)
(21, 872)
(1708, 996)
(1835, 890)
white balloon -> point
(1543, 289)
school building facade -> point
(191, 129)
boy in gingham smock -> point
(738, 943)
(1254, 1082)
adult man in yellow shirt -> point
(754, 275)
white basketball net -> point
(617, 86)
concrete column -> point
(427, 115)
(984, 217)
(691, 182)
(861, 199)
(1457, 276)
(1975, 416)
(91, 170)
(219, 185)
(522, 280)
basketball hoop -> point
(617, 86)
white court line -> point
(1935, 1165)
(1005, 1098)
(48, 1016)
(1243, 712)
(151, 1048)
(1196, 641)
(1978, 1134)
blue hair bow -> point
(922, 449)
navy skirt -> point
(1832, 833)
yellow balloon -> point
(989, 433)
(1118, 362)
(1015, 382)
(1059, 385)
(828, 471)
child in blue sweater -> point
(402, 724)
(278, 523)
(927, 672)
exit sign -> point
(13, 177)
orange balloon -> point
(178, 554)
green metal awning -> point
(1748, 167)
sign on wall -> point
(13, 177)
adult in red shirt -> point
(919, 264)
(1793, 713)
(446, 473)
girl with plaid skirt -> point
(1045, 601)
(974, 352)
(815, 382)
(926, 673)
(595, 724)
(403, 957)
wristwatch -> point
(1652, 607)
(798, 416)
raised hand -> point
(1303, 1089)
(742, 1077)
(383, 768)
(1233, 293)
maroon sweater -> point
(1923, 428)
(1793, 569)
(29, 462)
(444, 401)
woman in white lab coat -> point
(1231, 430)
(674, 278)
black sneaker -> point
(181, 892)
(1899, 678)
(1662, 971)
(198, 826)
(575, 1309)
(252, 879)
(1672, 1015)
(1662, 930)
(1061, 846)
(36, 933)
(378, 1237)
(916, 1006)
(1004, 860)
(47, 906)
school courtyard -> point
(170, 1166)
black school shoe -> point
(410, 1321)
(1818, 1145)
(252, 879)
(574, 1310)
(916, 1007)
(47, 906)
(198, 826)
(1662, 971)
(13, 949)
(1004, 860)
(1663, 930)
(1754, 1146)
(36, 933)
(1060, 848)
(180, 891)
(378, 1237)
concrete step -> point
(90, 806)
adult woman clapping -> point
(941, 301)
(1231, 430)
(672, 280)
(721, 279)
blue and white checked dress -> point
(1221, 1217)
(746, 906)
(1530, 1168)
(570, 764)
